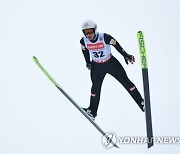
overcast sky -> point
(35, 118)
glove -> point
(129, 58)
(88, 66)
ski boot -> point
(89, 112)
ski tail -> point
(144, 66)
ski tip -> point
(140, 31)
(138, 34)
(34, 57)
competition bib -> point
(99, 50)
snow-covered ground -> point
(35, 118)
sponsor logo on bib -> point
(95, 46)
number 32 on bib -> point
(98, 54)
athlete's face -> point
(89, 33)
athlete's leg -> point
(117, 71)
(97, 76)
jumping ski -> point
(71, 100)
(144, 66)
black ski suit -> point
(113, 67)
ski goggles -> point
(88, 31)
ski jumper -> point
(104, 62)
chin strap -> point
(95, 36)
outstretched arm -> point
(110, 40)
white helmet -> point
(90, 24)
